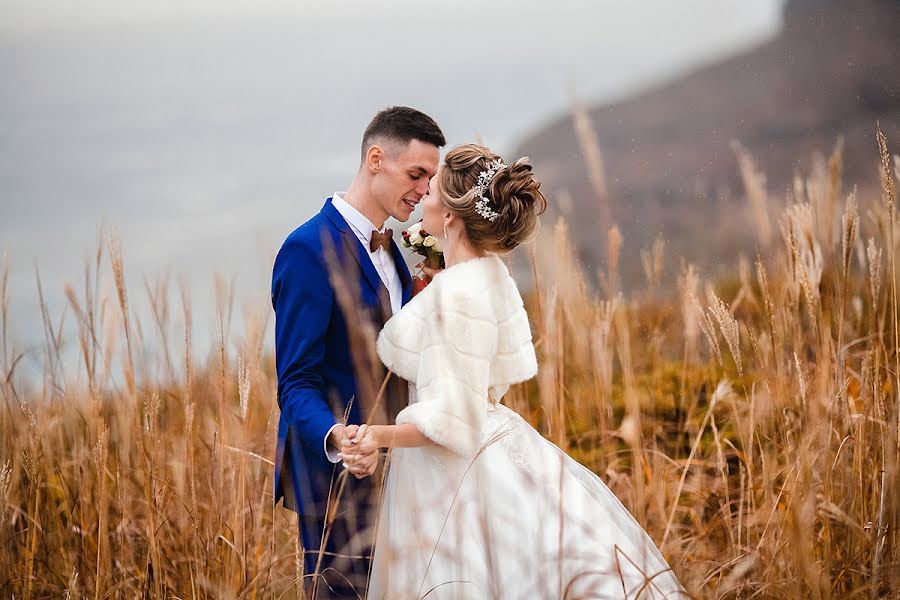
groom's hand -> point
(336, 436)
(358, 451)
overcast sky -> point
(205, 131)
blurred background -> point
(204, 132)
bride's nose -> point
(422, 187)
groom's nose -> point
(422, 187)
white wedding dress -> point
(494, 510)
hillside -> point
(669, 165)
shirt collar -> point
(359, 222)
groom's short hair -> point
(400, 125)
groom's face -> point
(403, 179)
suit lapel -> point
(351, 242)
(402, 271)
(365, 263)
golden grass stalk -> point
(873, 254)
(687, 285)
(755, 188)
(118, 269)
(890, 467)
(704, 321)
(849, 231)
(603, 353)
(652, 262)
(730, 329)
(5, 477)
(100, 457)
(614, 246)
(590, 150)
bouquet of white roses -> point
(422, 242)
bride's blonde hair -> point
(514, 194)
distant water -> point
(205, 133)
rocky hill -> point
(670, 169)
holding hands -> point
(358, 450)
(358, 445)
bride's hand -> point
(349, 432)
(429, 272)
(358, 451)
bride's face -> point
(432, 210)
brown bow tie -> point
(382, 240)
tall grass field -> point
(749, 423)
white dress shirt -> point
(381, 258)
(383, 262)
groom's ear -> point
(374, 159)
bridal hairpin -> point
(482, 206)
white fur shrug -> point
(464, 336)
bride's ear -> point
(449, 218)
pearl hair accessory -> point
(482, 206)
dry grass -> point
(764, 467)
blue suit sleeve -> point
(303, 299)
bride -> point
(477, 504)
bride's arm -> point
(368, 438)
(406, 435)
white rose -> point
(415, 228)
(415, 239)
(430, 241)
(437, 245)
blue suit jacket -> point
(312, 352)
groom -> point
(317, 384)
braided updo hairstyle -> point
(514, 193)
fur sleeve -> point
(454, 372)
